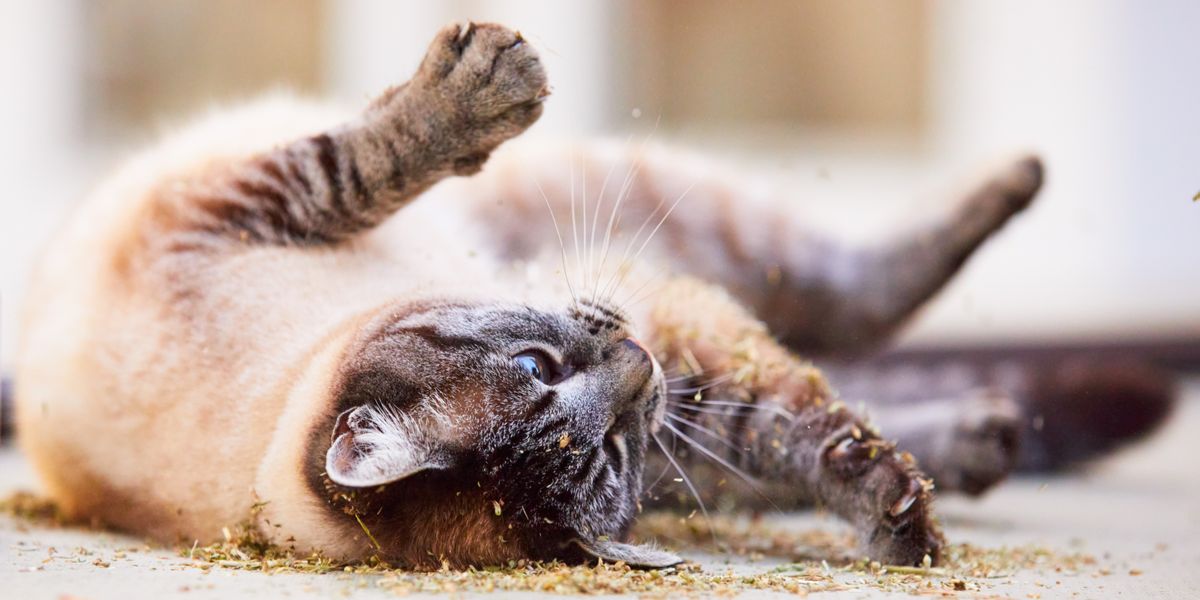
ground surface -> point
(1135, 521)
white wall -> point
(1106, 90)
(377, 43)
(39, 163)
(1109, 93)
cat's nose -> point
(633, 344)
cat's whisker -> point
(596, 216)
(583, 198)
(713, 434)
(666, 468)
(783, 412)
(562, 247)
(643, 293)
(688, 482)
(750, 481)
(633, 240)
(694, 406)
(701, 386)
(716, 412)
(574, 228)
(614, 218)
(642, 248)
(624, 192)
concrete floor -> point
(1138, 515)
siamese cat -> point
(277, 309)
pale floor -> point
(1138, 515)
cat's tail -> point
(6, 411)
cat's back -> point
(115, 368)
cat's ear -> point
(372, 446)
(638, 557)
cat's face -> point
(547, 413)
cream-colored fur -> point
(118, 407)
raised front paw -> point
(483, 81)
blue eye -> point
(532, 363)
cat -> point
(236, 321)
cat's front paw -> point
(483, 81)
(906, 533)
(887, 497)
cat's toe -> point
(488, 71)
(482, 84)
(906, 533)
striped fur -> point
(194, 333)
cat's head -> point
(522, 431)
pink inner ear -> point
(342, 425)
(370, 447)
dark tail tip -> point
(1083, 409)
(6, 411)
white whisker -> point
(688, 482)
(666, 468)
(623, 193)
(721, 461)
(661, 221)
(562, 247)
(712, 411)
(702, 386)
(594, 277)
(710, 432)
(574, 229)
(779, 410)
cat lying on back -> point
(237, 318)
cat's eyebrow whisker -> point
(614, 218)
(633, 240)
(596, 216)
(622, 194)
(687, 481)
(724, 463)
(638, 294)
(642, 248)
(574, 228)
(562, 247)
(583, 197)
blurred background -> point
(869, 115)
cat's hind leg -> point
(820, 296)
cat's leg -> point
(966, 443)
(819, 296)
(768, 415)
(478, 85)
